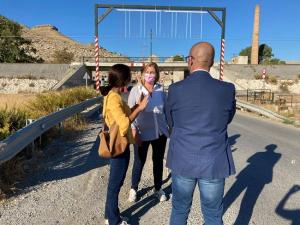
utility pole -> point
(151, 45)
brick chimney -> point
(255, 37)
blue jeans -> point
(118, 169)
(211, 195)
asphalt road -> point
(70, 187)
(267, 159)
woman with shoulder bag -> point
(150, 127)
(116, 110)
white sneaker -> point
(124, 221)
(132, 195)
(161, 195)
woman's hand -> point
(136, 137)
(143, 101)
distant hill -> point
(47, 39)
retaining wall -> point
(284, 72)
(33, 70)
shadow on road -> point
(68, 159)
(136, 211)
(290, 214)
(232, 141)
(252, 179)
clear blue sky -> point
(75, 18)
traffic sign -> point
(264, 72)
(86, 76)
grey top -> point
(150, 123)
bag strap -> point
(105, 127)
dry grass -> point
(49, 102)
(10, 101)
(16, 108)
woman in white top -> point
(150, 127)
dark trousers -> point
(118, 169)
(140, 156)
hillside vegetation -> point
(40, 43)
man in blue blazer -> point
(199, 109)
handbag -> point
(112, 143)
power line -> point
(186, 25)
(141, 24)
(129, 31)
(296, 39)
(125, 24)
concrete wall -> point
(15, 85)
(284, 72)
(240, 60)
(33, 70)
(77, 78)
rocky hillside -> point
(47, 39)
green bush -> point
(284, 87)
(272, 79)
(4, 125)
(11, 121)
(257, 76)
(178, 58)
(17, 119)
(31, 84)
(14, 48)
(63, 56)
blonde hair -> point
(155, 66)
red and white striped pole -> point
(97, 64)
(222, 59)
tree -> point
(265, 55)
(178, 58)
(13, 47)
(246, 52)
(63, 56)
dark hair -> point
(118, 76)
(155, 66)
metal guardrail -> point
(292, 100)
(128, 59)
(15, 143)
(260, 110)
(261, 95)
